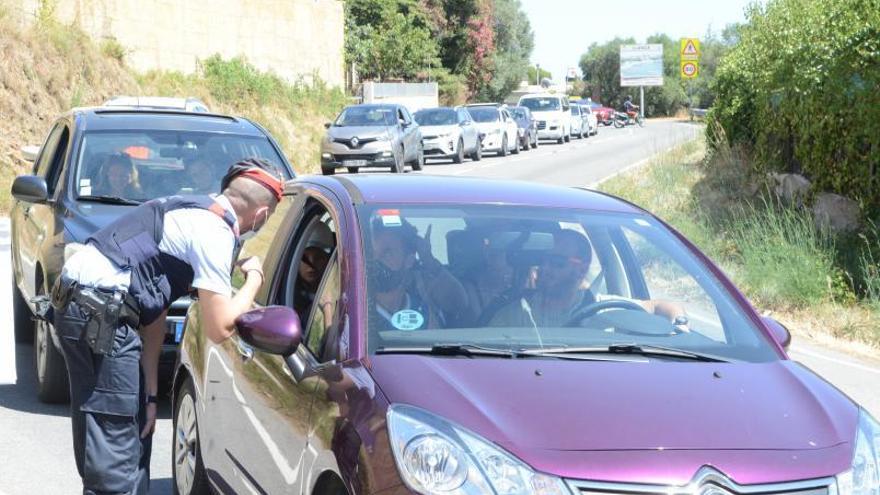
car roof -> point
(438, 190)
(105, 119)
(376, 105)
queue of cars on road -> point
(387, 136)
(441, 335)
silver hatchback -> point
(372, 136)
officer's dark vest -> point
(132, 243)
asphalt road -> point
(35, 451)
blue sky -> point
(564, 29)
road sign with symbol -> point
(690, 49)
(690, 69)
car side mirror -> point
(273, 329)
(780, 334)
(30, 189)
(328, 125)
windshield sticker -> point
(407, 319)
(85, 190)
(390, 218)
(85, 182)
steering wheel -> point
(593, 308)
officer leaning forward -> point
(110, 304)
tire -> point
(188, 473)
(618, 124)
(534, 143)
(504, 150)
(328, 170)
(22, 317)
(53, 386)
(399, 167)
(567, 137)
(515, 149)
(525, 143)
(419, 162)
(353, 170)
(477, 155)
(561, 140)
(459, 155)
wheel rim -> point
(41, 345)
(461, 151)
(186, 438)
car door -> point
(254, 425)
(34, 224)
(509, 127)
(413, 133)
(469, 132)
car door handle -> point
(246, 351)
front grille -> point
(707, 482)
(542, 124)
(355, 156)
(360, 144)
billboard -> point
(641, 65)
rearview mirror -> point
(273, 329)
(30, 153)
(30, 189)
(780, 334)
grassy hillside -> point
(47, 68)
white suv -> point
(552, 113)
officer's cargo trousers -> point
(106, 393)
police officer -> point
(110, 304)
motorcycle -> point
(622, 119)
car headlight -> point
(437, 457)
(864, 476)
(326, 156)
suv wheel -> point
(419, 162)
(477, 155)
(49, 366)
(504, 150)
(189, 470)
(459, 154)
(23, 318)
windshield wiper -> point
(449, 350)
(110, 200)
(630, 349)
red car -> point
(603, 113)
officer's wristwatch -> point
(152, 399)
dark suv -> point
(95, 164)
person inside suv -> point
(119, 178)
(200, 173)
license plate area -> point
(354, 163)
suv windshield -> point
(515, 278)
(366, 116)
(436, 116)
(541, 104)
(518, 113)
(140, 165)
(484, 114)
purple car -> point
(463, 336)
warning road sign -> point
(689, 69)
(690, 49)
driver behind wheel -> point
(559, 294)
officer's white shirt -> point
(194, 235)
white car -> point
(592, 118)
(580, 127)
(552, 113)
(500, 132)
(449, 133)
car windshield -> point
(575, 111)
(522, 278)
(145, 164)
(436, 116)
(366, 117)
(484, 114)
(518, 113)
(541, 104)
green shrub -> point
(113, 49)
(800, 89)
(237, 80)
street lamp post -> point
(537, 74)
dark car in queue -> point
(96, 164)
(442, 335)
(528, 127)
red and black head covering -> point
(257, 170)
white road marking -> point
(7, 325)
(851, 364)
